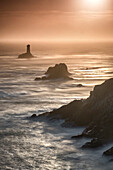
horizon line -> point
(54, 40)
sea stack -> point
(59, 71)
(27, 54)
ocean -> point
(27, 144)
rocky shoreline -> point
(95, 112)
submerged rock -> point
(27, 54)
(80, 85)
(59, 71)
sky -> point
(56, 20)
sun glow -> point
(94, 4)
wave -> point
(8, 95)
(3, 94)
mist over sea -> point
(28, 145)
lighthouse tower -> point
(27, 54)
(28, 49)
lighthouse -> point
(27, 54)
(28, 49)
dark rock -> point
(33, 116)
(80, 85)
(27, 54)
(59, 71)
(78, 136)
(93, 144)
(38, 78)
(95, 112)
(109, 152)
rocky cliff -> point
(95, 112)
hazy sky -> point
(56, 20)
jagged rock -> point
(109, 152)
(77, 136)
(95, 112)
(33, 116)
(59, 71)
(93, 144)
(27, 54)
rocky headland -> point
(59, 71)
(95, 113)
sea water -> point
(27, 144)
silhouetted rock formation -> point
(109, 152)
(95, 112)
(59, 71)
(93, 144)
(33, 116)
(77, 136)
(27, 54)
(80, 85)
